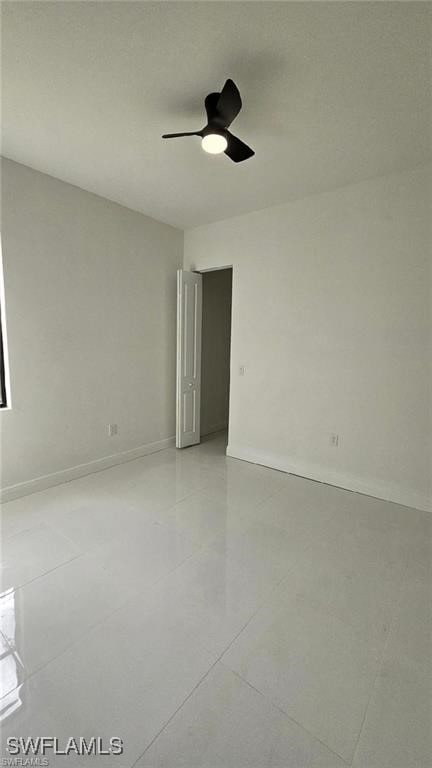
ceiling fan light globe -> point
(214, 143)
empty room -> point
(216, 384)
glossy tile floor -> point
(217, 614)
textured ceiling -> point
(333, 93)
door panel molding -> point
(188, 379)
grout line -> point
(266, 597)
(217, 660)
(32, 525)
(380, 664)
(201, 680)
(41, 575)
(283, 712)
(93, 627)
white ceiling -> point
(332, 93)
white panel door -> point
(189, 314)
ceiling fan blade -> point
(229, 103)
(237, 150)
(210, 103)
(178, 135)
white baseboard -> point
(72, 473)
(391, 492)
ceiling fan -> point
(222, 108)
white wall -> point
(215, 355)
(332, 319)
(91, 310)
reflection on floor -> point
(216, 614)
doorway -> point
(204, 301)
(215, 351)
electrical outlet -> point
(242, 370)
(112, 430)
(334, 441)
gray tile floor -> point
(217, 614)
